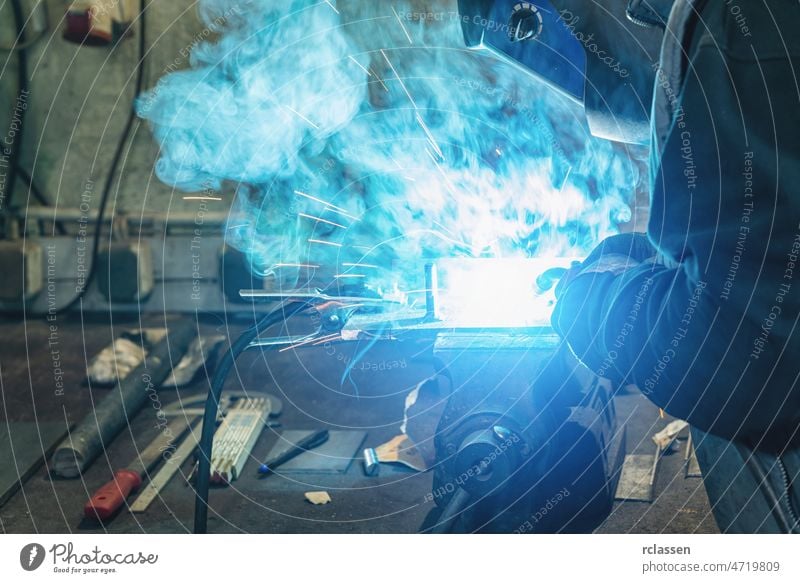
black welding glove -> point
(605, 267)
(615, 254)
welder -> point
(700, 313)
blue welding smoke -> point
(362, 136)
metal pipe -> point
(114, 412)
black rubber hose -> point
(279, 314)
(22, 90)
(450, 513)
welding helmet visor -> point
(532, 35)
(541, 40)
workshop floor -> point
(309, 387)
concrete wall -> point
(79, 100)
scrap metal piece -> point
(664, 438)
(372, 466)
(638, 477)
(692, 465)
(402, 450)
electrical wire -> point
(112, 171)
(451, 512)
(25, 45)
(22, 91)
(39, 196)
(34, 190)
(280, 314)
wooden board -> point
(23, 449)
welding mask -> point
(591, 52)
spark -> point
(329, 206)
(319, 200)
(442, 227)
(328, 2)
(308, 341)
(428, 133)
(202, 198)
(330, 336)
(397, 76)
(331, 243)
(301, 116)
(367, 71)
(447, 182)
(371, 70)
(403, 26)
(447, 239)
(563, 184)
(303, 265)
(321, 220)
(434, 158)
(367, 265)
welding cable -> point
(112, 171)
(19, 112)
(450, 513)
(280, 314)
(347, 374)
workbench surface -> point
(308, 382)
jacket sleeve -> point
(710, 335)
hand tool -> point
(192, 409)
(111, 496)
(307, 443)
(153, 488)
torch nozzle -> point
(548, 278)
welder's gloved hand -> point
(615, 255)
(584, 290)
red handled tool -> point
(110, 497)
